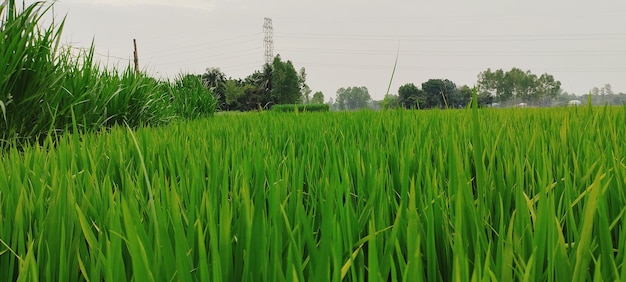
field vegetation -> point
(112, 175)
(516, 194)
(301, 108)
(46, 89)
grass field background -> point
(514, 194)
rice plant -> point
(502, 195)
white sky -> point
(354, 43)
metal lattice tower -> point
(268, 40)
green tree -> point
(595, 91)
(492, 83)
(608, 90)
(285, 83)
(215, 80)
(460, 97)
(438, 92)
(318, 98)
(391, 102)
(409, 96)
(524, 85)
(253, 98)
(547, 89)
(263, 81)
(331, 104)
(233, 95)
(519, 86)
(484, 99)
(353, 98)
(305, 90)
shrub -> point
(45, 90)
(191, 99)
(301, 108)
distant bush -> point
(301, 108)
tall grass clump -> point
(98, 97)
(30, 72)
(192, 99)
(45, 89)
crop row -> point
(533, 194)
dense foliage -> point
(275, 84)
(504, 195)
(285, 83)
(191, 99)
(46, 90)
(352, 98)
(435, 93)
(318, 98)
(505, 88)
(613, 99)
(518, 86)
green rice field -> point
(440, 195)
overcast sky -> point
(354, 43)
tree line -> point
(279, 83)
(276, 83)
(517, 86)
(434, 93)
(502, 87)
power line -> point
(456, 69)
(221, 56)
(458, 54)
(455, 38)
(88, 50)
(210, 44)
(242, 66)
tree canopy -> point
(518, 86)
(438, 92)
(286, 84)
(215, 80)
(280, 83)
(276, 83)
(305, 90)
(318, 98)
(435, 93)
(352, 98)
(391, 102)
(409, 96)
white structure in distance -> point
(574, 103)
